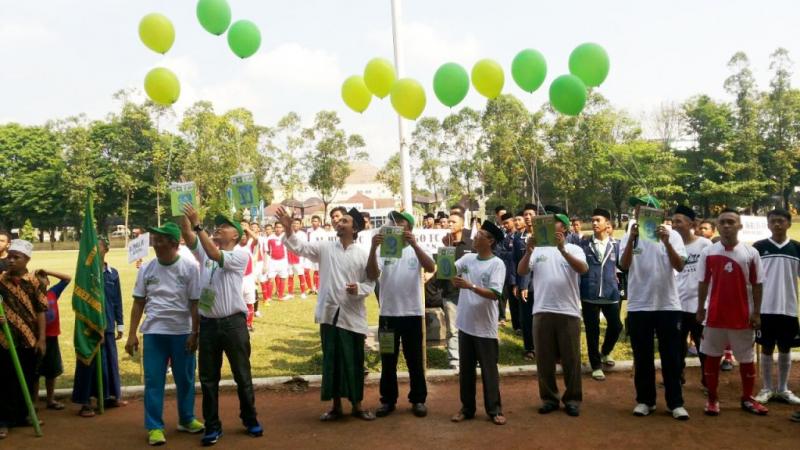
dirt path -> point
(290, 421)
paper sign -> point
(180, 194)
(392, 246)
(446, 263)
(754, 228)
(137, 248)
(544, 228)
(245, 190)
(649, 220)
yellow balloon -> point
(162, 86)
(488, 78)
(355, 94)
(156, 32)
(380, 76)
(408, 98)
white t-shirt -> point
(686, 279)
(651, 283)
(556, 286)
(225, 281)
(477, 315)
(168, 291)
(781, 271)
(400, 281)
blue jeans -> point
(158, 350)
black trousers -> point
(228, 335)
(13, 410)
(591, 320)
(526, 321)
(502, 303)
(666, 327)
(407, 330)
(471, 350)
(513, 306)
(690, 326)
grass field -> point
(285, 341)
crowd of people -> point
(686, 289)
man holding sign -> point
(654, 309)
(401, 314)
(223, 318)
(341, 311)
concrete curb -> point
(304, 381)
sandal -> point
(499, 419)
(3, 432)
(58, 406)
(331, 416)
(530, 356)
(363, 415)
(114, 403)
(461, 416)
(86, 411)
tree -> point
(287, 141)
(389, 175)
(427, 148)
(330, 158)
(464, 154)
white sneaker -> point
(642, 410)
(598, 375)
(765, 395)
(787, 396)
(680, 413)
(258, 313)
(303, 295)
(287, 297)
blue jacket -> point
(113, 299)
(519, 243)
(505, 251)
(600, 283)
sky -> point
(61, 58)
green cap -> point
(222, 219)
(646, 200)
(563, 219)
(169, 230)
(395, 215)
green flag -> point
(88, 297)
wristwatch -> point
(197, 228)
(473, 287)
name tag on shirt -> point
(207, 299)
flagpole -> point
(101, 398)
(20, 374)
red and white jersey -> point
(260, 249)
(275, 247)
(248, 247)
(293, 258)
(731, 273)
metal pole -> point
(405, 160)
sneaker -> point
(211, 437)
(765, 395)
(156, 437)
(786, 396)
(303, 296)
(680, 413)
(598, 375)
(795, 417)
(712, 408)
(607, 360)
(255, 430)
(726, 366)
(258, 313)
(642, 410)
(195, 426)
(752, 406)
(287, 297)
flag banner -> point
(245, 190)
(180, 194)
(88, 297)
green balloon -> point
(156, 32)
(244, 38)
(589, 62)
(529, 69)
(568, 95)
(451, 84)
(488, 78)
(355, 93)
(408, 98)
(214, 15)
(162, 86)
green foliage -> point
(27, 231)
